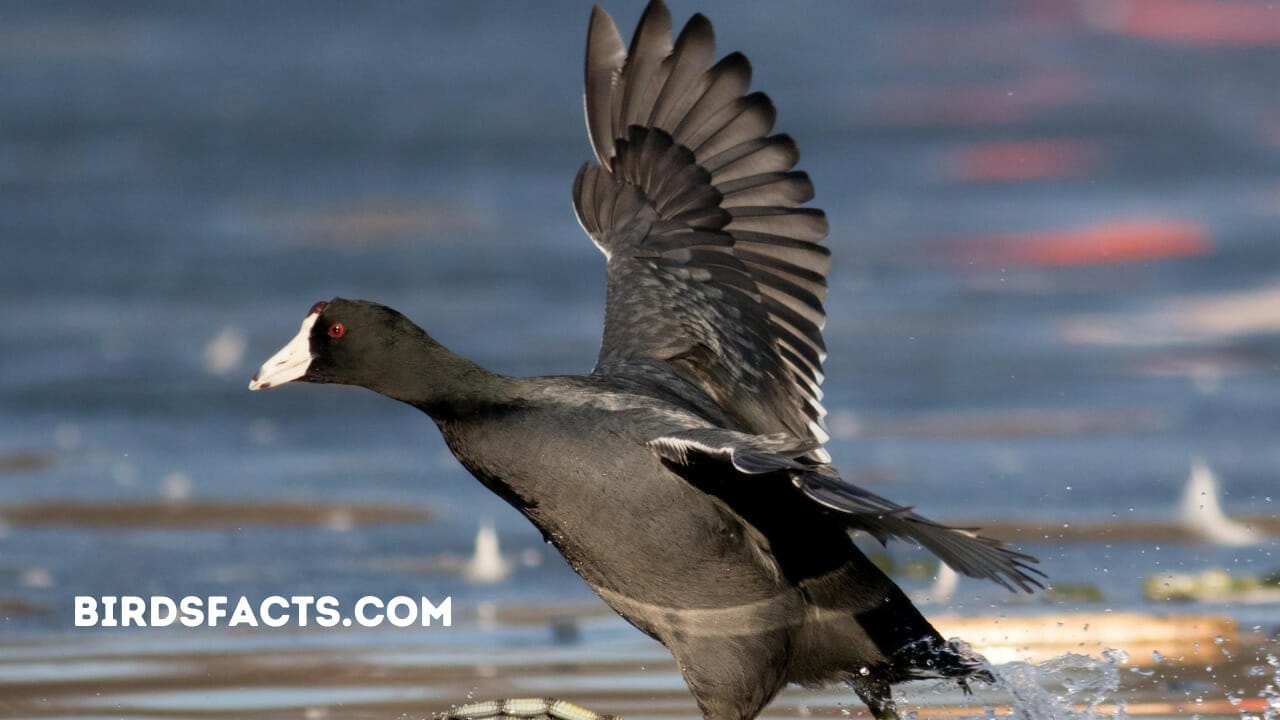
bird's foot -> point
(523, 709)
(875, 693)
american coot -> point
(685, 479)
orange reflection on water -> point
(1194, 22)
(1110, 242)
(1023, 160)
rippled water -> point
(1056, 274)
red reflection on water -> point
(1022, 160)
(1112, 242)
(1194, 22)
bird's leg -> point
(522, 709)
(878, 698)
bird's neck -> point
(440, 382)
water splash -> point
(1271, 693)
(1053, 688)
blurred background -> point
(1054, 311)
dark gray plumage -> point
(685, 478)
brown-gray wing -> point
(714, 268)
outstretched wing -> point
(961, 548)
(714, 270)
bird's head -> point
(351, 342)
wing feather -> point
(694, 51)
(788, 189)
(650, 45)
(777, 153)
(723, 84)
(605, 55)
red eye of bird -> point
(337, 330)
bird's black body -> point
(750, 584)
(685, 479)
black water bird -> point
(685, 478)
